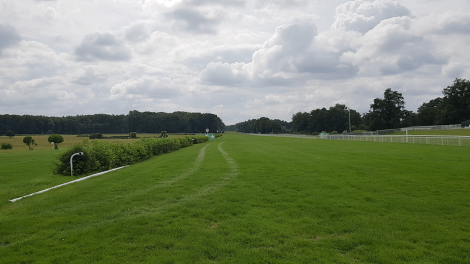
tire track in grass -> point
(223, 181)
(173, 202)
(210, 188)
(197, 165)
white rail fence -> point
(283, 135)
(423, 139)
(413, 139)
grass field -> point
(245, 199)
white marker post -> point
(71, 165)
(52, 143)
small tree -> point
(56, 138)
(133, 135)
(10, 133)
(28, 140)
(163, 134)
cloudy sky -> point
(239, 59)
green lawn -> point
(245, 199)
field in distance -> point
(69, 140)
(247, 199)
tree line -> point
(135, 121)
(385, 113)
(262, 125)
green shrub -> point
(7, 146)
(96, 136)
(100, 156)
(82, 164)
(133, 135)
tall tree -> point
(456, 102)
(10, 133)
(300, 122)
(429, 114)
(388, 112)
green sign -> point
(211, 136)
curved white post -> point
(71, 165)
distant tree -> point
(10, 133)
(163, 134)
(56, 138)
(430, 113)
(410, 119)
(133, 135)
(388, 112)
(456, 102)
(300, 122)
(28, 140)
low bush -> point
(101, 156)
(96, 136)
(133, 135)
(7, 146)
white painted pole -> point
(71, 165)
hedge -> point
(101, 156)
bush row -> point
(100, 156)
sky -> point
(239, 59)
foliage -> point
(140, 122)
(336, 118)
(7, 146)
(28, 140)
(100, 156)
(163, 134)
(10, 133)
(388, 112)
(57, 139)
(430, 113)
(263, 125)
(96, 136)
(452, 108)
(456, 102)
(133, 135)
